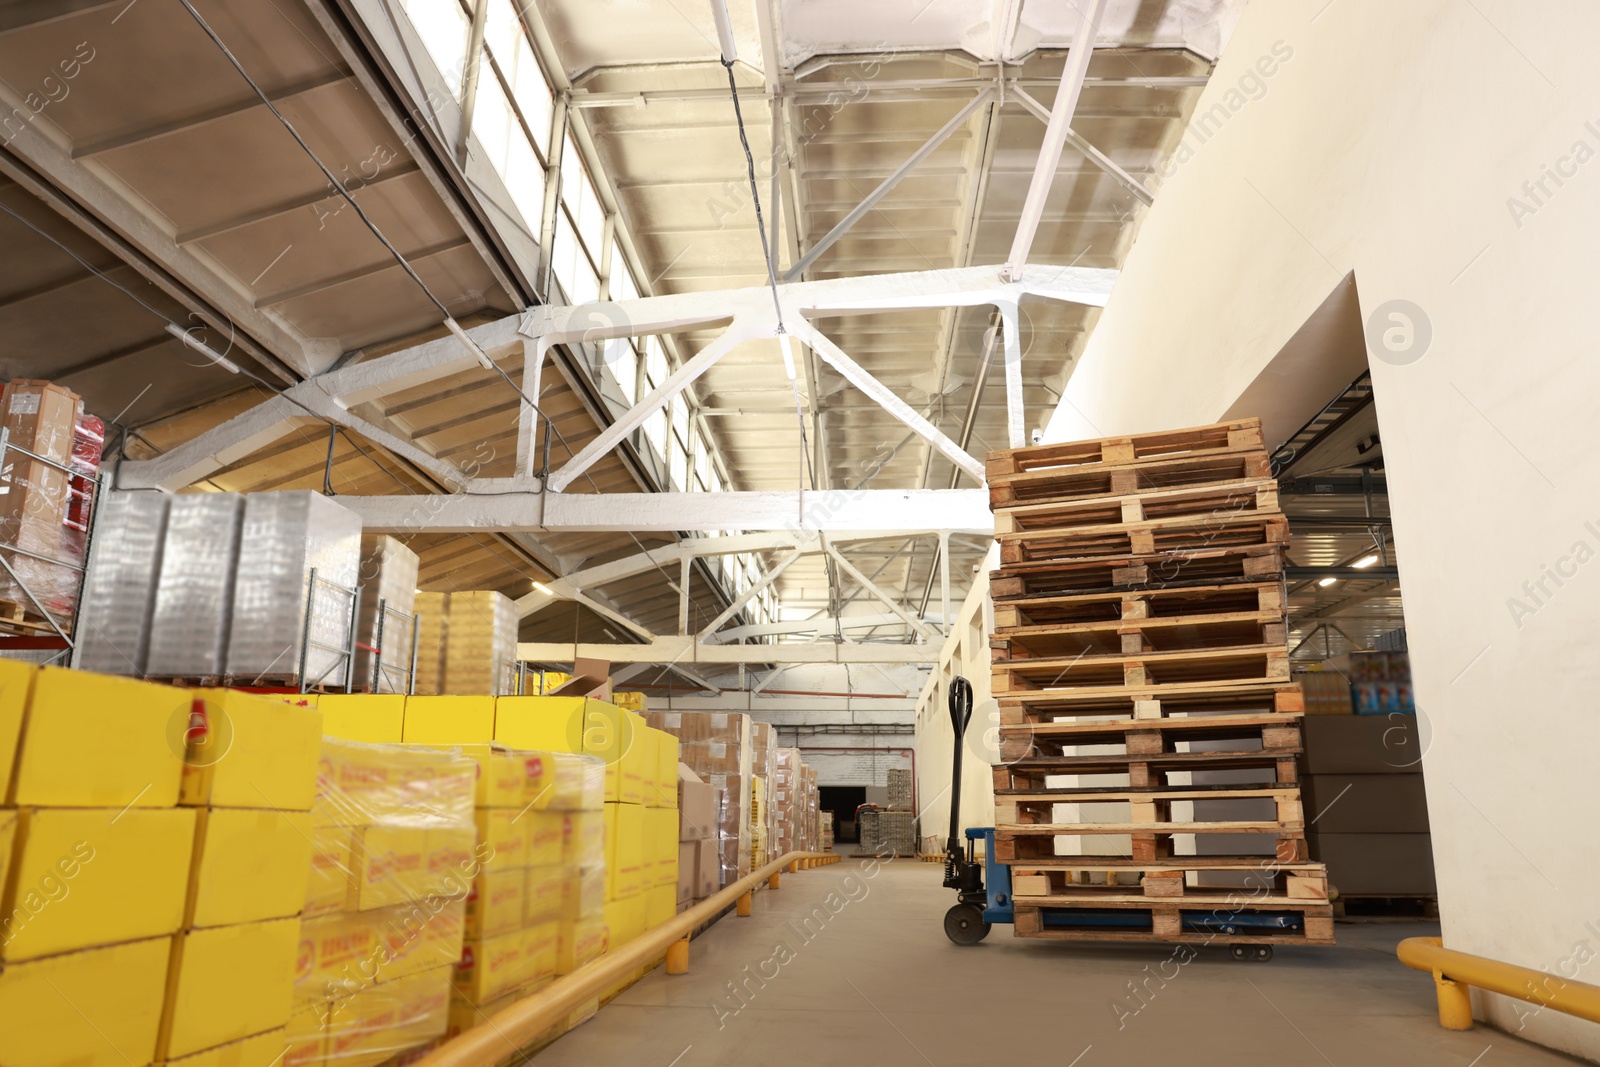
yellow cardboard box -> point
(8, 837)
(356, 949)
(639, 762)
(248, 866)
(95, 876)
(539, 724)
(505, 836)
(584, 893)
(16, 685)
(90, 740)
(451, 860)
(495, 905)
(581, 941)
(228, 983)
(666, 769)
(329, 882)
(96, 1008)
(265, 753)
(660, 904)
(490, 968)
(624, 918)
(547, 832)
(659, 865)
(391, 864)
(376, 718)
(449, 720)
(541, 944)
(545, 892)
(262, 1050)
(583, 838)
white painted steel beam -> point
(751, 593)
(889, 601)
(676, 651)
(827, 625)
(501, 505)
(1090, 152)
(1055, 136)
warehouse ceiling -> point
(137, 199)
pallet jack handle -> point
(960, 701)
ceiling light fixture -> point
(1327, 581)
(788, 355)
(1365, 561)
(540, 587)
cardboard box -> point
(688, 871)
(495, 905)
(1385, 865)
(441, 720)
(583, 893)
(545, 892)
(581, 942)
(666, 770)
(547, 831)
(451, 859)
(505, 837)
(96, 1008)
(1361, 744)
(16, 687)
(262, 1050)
(229, 983)
(708, 868)
(329, 883)
(270, 758)
(625, 848)
(660, 860)
(660, 904)
(697, 807)
(389, 864)
(590, 678)
(358, 948)
(91, 740)
(583, 838)
(95, 876)
(491, 967)
(540, 724)
(639, 761)
(375, 718)
(541, 944)
(248, 866)
(1366, 803)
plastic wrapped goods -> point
(42, 419)
(284, 538)
(194, 593)
(716, 746)
(120, 587)
(384, 619)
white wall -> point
(1388, 141)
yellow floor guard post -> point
(1455, 974)
(678, 957)
(772, 883)
(744, 906)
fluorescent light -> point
(1327, 581)
(540, 587)
(788, 355)
(1366, 561)
(719, 14)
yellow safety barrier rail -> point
(529, 1019)
(1456, 973)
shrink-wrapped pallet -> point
(384, 620)
(194, 593)
(120, 586)
(716, 746)
(285, 538)
(41, 418)
(481, 644)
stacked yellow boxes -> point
(96, 854)
(660, 860)
(758, 822)
(430, 609)
(393, 860)
(480, 646)
(536, 905)
(716, 746)
(637, 703)
(250, 775)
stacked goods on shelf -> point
(758, 821)
(897, 833)
(635, 702)
(764, 767)
(43, 512)
(466, 644)
(194, 592)
(152, 906)
(699, 860)
(716, 746)
(119, 585)
(384, 624)
(786, 799)
(1362, 776)
(231, 980)
(394, 854)
(294, 591)
(1380, 683)
(1327, 692)
(899, 789)
(1139, 607)
(827, 835)
(808, 808)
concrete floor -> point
(877, 983)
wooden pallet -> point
(1302, 883)
(1087, 481)
(1201, 565)
(1250, 496)
(1150, 702)
(1026, 843)
(1268, 662)
(1145, 806)
(1234, 629)
(1169, 539)
(1063, 614)
(1031, 774)
(1165, 922)
(1239, 435)
(1144, 737)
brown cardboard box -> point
(1366, 803)
(1386, 865)
(707, 870)
(688, 871)
(41, 418)
(1361, 744)
(697, 806)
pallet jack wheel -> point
(1240, 952)
(1263, 953)
(964, 925)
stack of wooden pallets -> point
(1139, 611)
